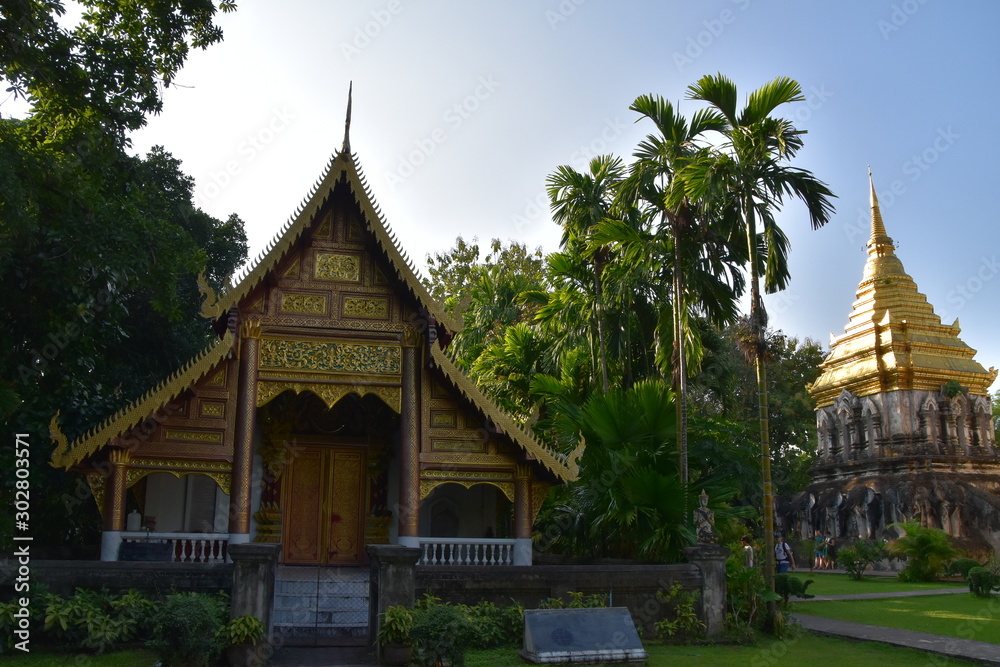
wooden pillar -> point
(409, 443)
(114, 504)
(522, 515)
(246, 412)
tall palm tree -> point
(579, 202)
(655, 187)
(750, 177)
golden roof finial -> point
(347, 121)
(878, 228)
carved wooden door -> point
(323, 498)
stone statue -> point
(704, 521)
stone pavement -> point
(982, 652)
(953, 647)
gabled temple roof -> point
(562, 467)
(343, 165)
(894, 340)
(67, 455)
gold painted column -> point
(409, 443)
(522, 515)
(114, 504)
(246, 411)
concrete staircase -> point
(321, 606)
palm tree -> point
(656, 189)
(579, 202)
(749, 178)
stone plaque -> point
(605, 634)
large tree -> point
(749, 177)
(99, 249)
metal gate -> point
(321, 606)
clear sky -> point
(462, 109)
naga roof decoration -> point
(563, 467)
(894, 340)
(139, 410)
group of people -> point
(784, 557)
(823, 553)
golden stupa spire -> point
(894, 340)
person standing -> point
(747, 551)
(783, 556)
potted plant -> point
(395, 624)
(242, 637)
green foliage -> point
(395, 625)
(926, 550)
(857, 557)
(681, 624)
(786, 585)
(746, 595)
(441, 633)
(577, 600)
(495, 626)
(187, 630)
(245, 629)
(981, 582)
(960, 567)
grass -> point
(962, 615)
(827, 583)
(47, 658)
(803, 649)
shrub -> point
(925, 550)
(577, 600)
(787, 585)
(496, 626)
(745, 598)
(395, 625)
(245, 629)
(960, 567)
(681, 623)
(186, 630)
(981, 582)
(860, 555)
(441, 633)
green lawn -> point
(39, 658)
(840, 584)
(961, 615)
(803, 650)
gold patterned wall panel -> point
(457, 445)
(329, 357)
(339, 267)
(213, 409)
(207, 437)
(431, 479)
(330, 393)
(365, 308)
(309, 304)
(354, 234)
(292, 272)
(444, 419)
(325, 227)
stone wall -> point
(64, 576)
(632, 586)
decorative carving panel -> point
(337, 266)
(444, 419)
(213, 409)
(366, 308)
(455, 445)
(330, 357)
(310, 304)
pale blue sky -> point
(461, 110)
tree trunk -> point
(681, 352)
(599, 309)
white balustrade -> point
(466, 551)
(186, 547)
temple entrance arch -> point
(326, 472)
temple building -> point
(326, 416)
(903, 417)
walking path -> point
(982, 652)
